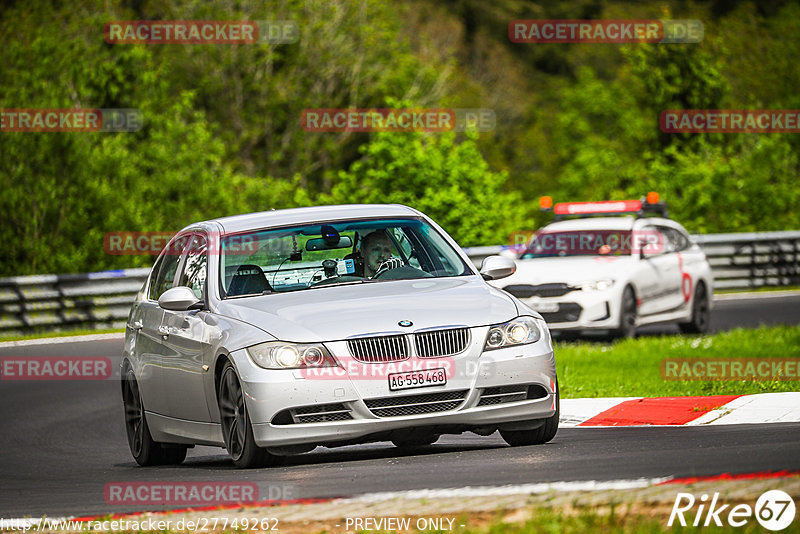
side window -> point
(405, 246)
(151, 288)
(681, 240)
(165, 277)
(670, 245)
(194, 268)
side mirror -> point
(497, 267)
(179, 298)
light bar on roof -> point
(609, 206)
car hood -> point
(569, 270)
(336, 313)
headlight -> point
(520, 331)
(282, 355)
(597, 285)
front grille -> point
(568, 312)
(321, 413)
(502, 394)
(437, 343)
(379, 349)
(524, 291)
(416, 404)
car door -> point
(660, 276)
(147, 320)
(186, 341)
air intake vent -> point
(379, 349)
(435, 343)
(500, 395)
(416, 404)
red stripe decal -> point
(658, 411)
(728, 476)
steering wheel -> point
(388, 265)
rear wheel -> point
(701, 313)
(536, 436)
(237, 430)
(627, 315)
(144, 450)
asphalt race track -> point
(62, 441)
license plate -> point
(417, 379)
(544, 307)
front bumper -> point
(579, 310)
(484, 391)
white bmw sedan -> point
(610, 275)
(272, 333)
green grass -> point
(763, 289)
(65, 333)
(633, 367)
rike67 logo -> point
(774, 510)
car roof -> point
(592, 223)
(285, 217)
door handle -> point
(137, 325)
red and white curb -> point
(708, 410)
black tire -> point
(415, 441)
(237, 429)
(627, 315)
(537, 436)
(174, 455)
(145, 451)
(701, 313)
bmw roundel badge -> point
(405, 323)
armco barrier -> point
(102, 300)
(66, 302)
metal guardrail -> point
(102, 300)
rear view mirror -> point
(497, 267)
(321, 243)
(179, 298)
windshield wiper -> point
(345, 283)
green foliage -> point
(222, 133)
(448, 180)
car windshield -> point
(336, 253)
(545, 244)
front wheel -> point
(536, 436)
(701, 313)
(627, 315)
(237, 430)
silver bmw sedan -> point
(272, 333)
